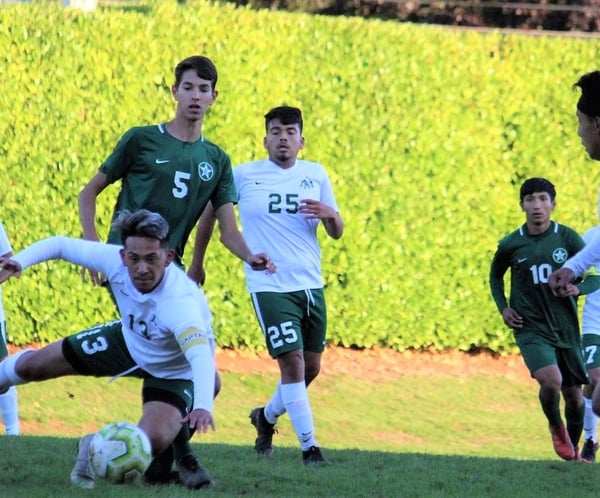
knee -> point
(28, 368)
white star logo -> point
(205, 171)
(559, 255)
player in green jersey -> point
(172, 169)
(546, 327)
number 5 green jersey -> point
(531, 259)
(173, 178)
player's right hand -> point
(200, 420)
(512, 319)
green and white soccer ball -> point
(118, 451)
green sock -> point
(551, 408)
(181, 443)
(574, 417)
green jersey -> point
(171, 177)
(531, 259)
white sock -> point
(10, 411)
(8, 376)
(590, 422)
(295, 400)
(275, 408)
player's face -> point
(589, 131)
(194, 96)
(146, 261)
(538, 207)
(283, 142)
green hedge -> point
(426, 132)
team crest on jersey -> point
(306, 183)
(205, 171)
(559, 255)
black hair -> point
(286, 114)
(204, 67)
(533, 185)
(589, 101)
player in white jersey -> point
(282, 200)
(590, 338)
(588, 119)
(165, 336)
(9, 406)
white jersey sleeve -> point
(101, 257)
(591, 307)
(584, 259)
(5, 247)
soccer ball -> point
(118, 450)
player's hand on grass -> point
(200, 420)
(512, 319)
(9, 268)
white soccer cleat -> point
(82, 474)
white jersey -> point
(5, 248)
(168, 331)
(591, 307)
(268, 201)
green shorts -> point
(537, 353)
(3, 348)
(590, 345)
(292, 320)
(102, 352)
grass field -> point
(445, 431)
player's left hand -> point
(315, 210)
(199, 420)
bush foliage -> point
(426, 133)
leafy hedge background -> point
(427, 134)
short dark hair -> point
(589, 101)
(286, 114)
(532, 185)
(204, 67)
(142, 223)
